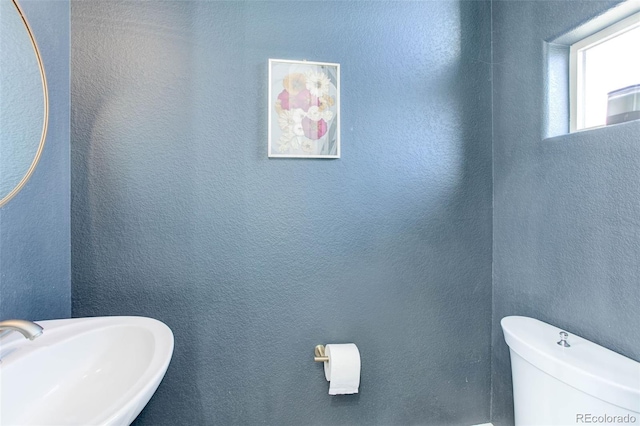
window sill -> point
(627, 131)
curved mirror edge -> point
(16, 145)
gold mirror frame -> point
(45, 123)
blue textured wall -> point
(35, 277)
(178, 214)
(566, 209)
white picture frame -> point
(304, 109)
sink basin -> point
(83, 371)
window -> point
(604, 62)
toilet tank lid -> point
(584, 365)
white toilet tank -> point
(583, 383)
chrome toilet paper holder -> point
(320, 355)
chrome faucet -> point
(28, 329)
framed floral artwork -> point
(304, 109)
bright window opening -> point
(602, 65)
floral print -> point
(294, 83)
(303, 110)
(303, 100)
(317, 83)
(314, 129)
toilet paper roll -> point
(342, 371)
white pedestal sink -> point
(83, 371)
